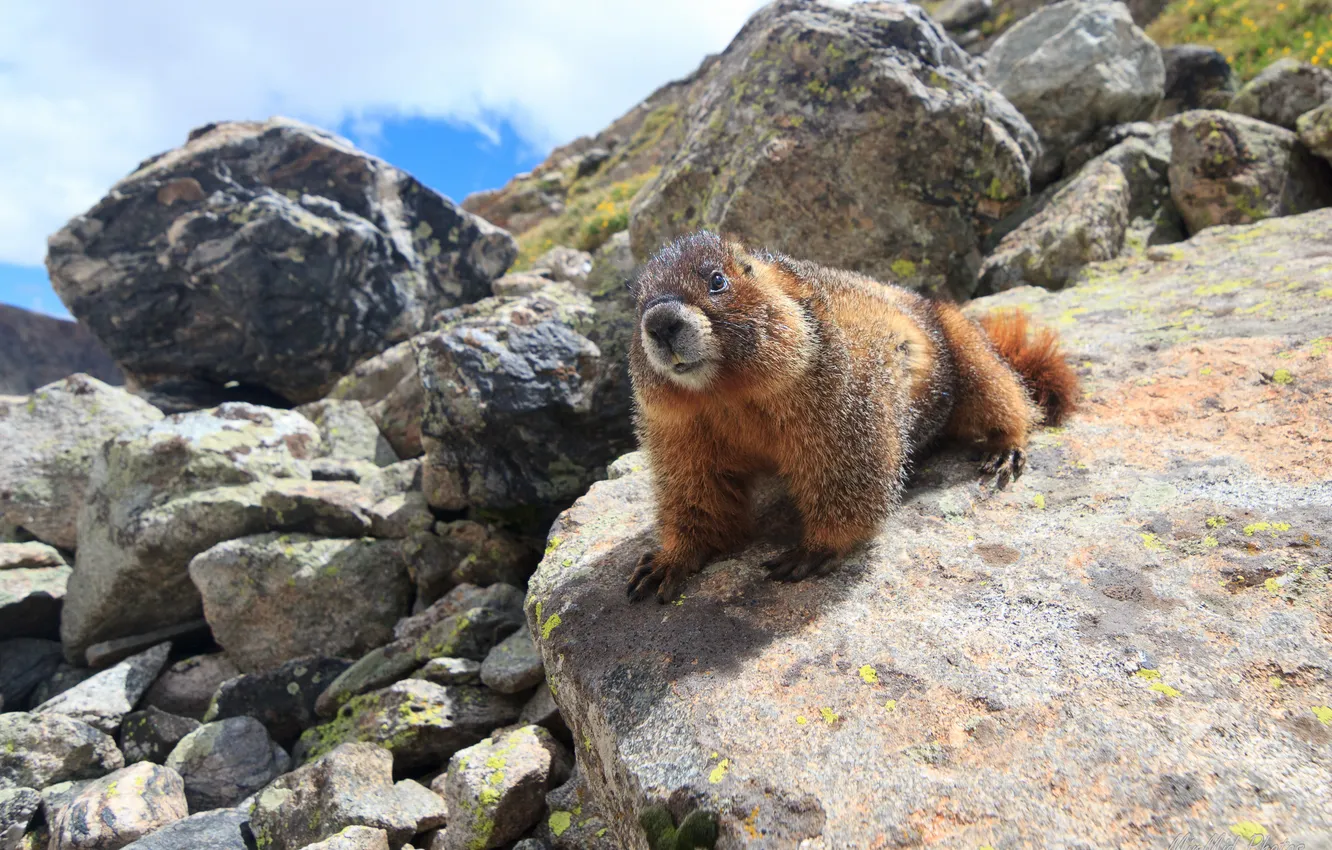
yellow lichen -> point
(1038, 499)
(869, 674)
(801, 719)
(719, 772)
(1162, 687)
(890, 705)
(829, 716)
(1251, 832)
(559, 822)
(1323, 713)
(1283, 377)
(1148, 673)
(550, 626)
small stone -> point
(352, 785)
(514, 665)
(24, 664)
(104, 700)
(420, 722)
(348, 432)
(1283, 91)
(401, 515)
(501, 597)
(376, 669)
(471, 634)
(120, 808)
(517, 283)
(217, 830)
(1315, 130)
(421, 804)
(151, 734)
(541, 710)
(224, 762)
(354, 838)
(389, 388)
(65, 677)
(17, 808)
(568, 265)
(110, 652)
(496, 790)
(187, 687)
(450, 671)
(282, 699)
(33, 577)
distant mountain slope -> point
(36, 350)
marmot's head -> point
(712, 314)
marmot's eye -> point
(718, 283)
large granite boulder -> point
(1072, 68)
(32, 588)
(859, 136)
(268, 253)
(1230, 169)
(160, 494)
(527, 398)
(1143, 611)
(50, 439)
(1284, 91)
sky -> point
(461, 94)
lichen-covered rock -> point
(468, 552)
(24, 664)
(65, 677)
(496, 789)
(216, 830)
(524, 404)
(282, 699)
(160, 494)
(858, 136)
(225, 761)
(1073, 67)
(514, 665)
(500, 597)
(1159, 570)
(32, 588)
(271, 597)
(102, 701)
(269, 253)
(50, 439)
(1284, 91)
(450, 671)
(1315, 130)
(1229, 169)
(564, 264)
(187, 687)
(120, 808)
(541, 710)
(151, 734)
(348, 432)
(1119, 202)
(325, 508)
(18, 806)
(350, 786)
(574, 821)
(389, 388)
(354, 838)
(1196, 77)
(421, 723)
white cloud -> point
(88, 89)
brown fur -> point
(1035, 355)
(831, 380)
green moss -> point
(592, 214)
(902, 267)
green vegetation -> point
(592, 214)
(1251, 33)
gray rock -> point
(1073, 67)
(421, 723)
(30, 596)
(216, 830)
(389, 388)
(17, 808)
(106, 653)
(350, 786)
(29, 556)
(575, 821)
(514, 665)
(457, 600)
(273, 597)
(282, 699)
(759, 701)
(226, 761)
(518, 283)
(51, 439)
(468, 552)
(496, 790)
(187, 687)
(56, 797)
(1284, 91)
(1229, 169)
(394, 480)
(541, 710)
(401, 516)
(348, 432)
(612, 266)
(1315, 130)
(1196, 77)
(269, 253)
(522, 406)
(36, 349)
(860, 136)
(159, 495)
(563, 264)
(376, 669)
(25, 663)
(324, 508)
(420, 805)
(119, 809)
(102, 701)
(151, 735)
(962, 14)
(450, 671)
(354, 838)
(65, 677)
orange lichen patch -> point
(1221, 397)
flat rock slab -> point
(37, 751)
(215, 830)
(104, 700)
(1130, 643)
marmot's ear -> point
(739, 254)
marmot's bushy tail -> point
(1034, 354)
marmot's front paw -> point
(799, 563)
(1006, 465)
(656, 573)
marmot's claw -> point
(646, 577)
(799, 563)
(1006, 465)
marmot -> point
(752, 362)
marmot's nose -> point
(664, 323)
